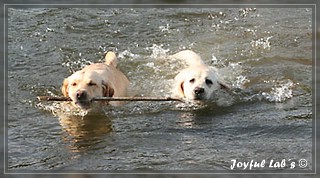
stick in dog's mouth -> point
(51, 98)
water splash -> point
(158, 51)
(233, 73)
(244, 12)
(76, 65)
(165, 29)
(280, 92)
(263, 43)
(128, 54)
(240, 81)
(65, 108)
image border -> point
(193, 172)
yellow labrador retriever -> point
(198, 81)
(96, 80)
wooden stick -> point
(51, 98)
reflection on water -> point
(84, 132)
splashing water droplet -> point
(280, 93)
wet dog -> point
(198, 81)
(96, 80)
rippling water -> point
(265, 54)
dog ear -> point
(181, 90)
(107, 90)
(64, 87)
(222, 83)
(111, 59)
(224, 86)
(178, 89)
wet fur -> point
(96, 80)
(198, 81)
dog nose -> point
(81, 95)
(198, 90)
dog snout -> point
(198, 90)
(81, 95)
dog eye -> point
(91, 83)
(74, 84)
(209, 82)
(192, 80)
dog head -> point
(83, 86)
(198, 83)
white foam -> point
(263, 43)
(279, 93)
(158, 51)
(76, 65)
(165, 29)
(128, 54)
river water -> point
(265, 54)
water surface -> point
(265, 54)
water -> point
(265, 54)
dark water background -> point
(266, 52)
